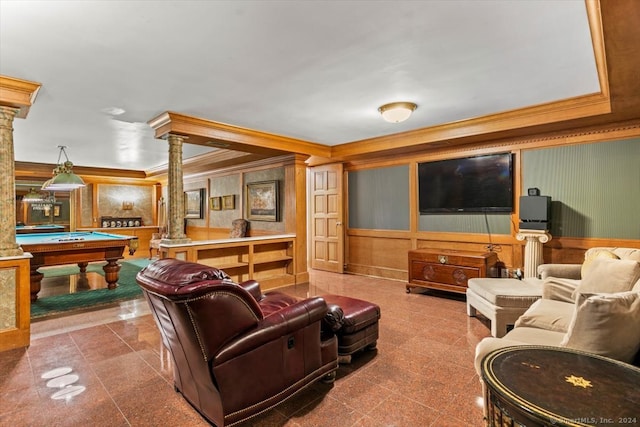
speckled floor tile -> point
(421, 373)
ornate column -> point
(175, 191)
(533, 249)
(16, 97)
(8, 245)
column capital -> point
(173, 137)
(8, 112)
(540, 235)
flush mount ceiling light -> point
(397, 112)
(63, 177)
(113, 111)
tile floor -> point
(109, 368)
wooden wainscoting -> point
(15, 318)
(383, 253)
(570, 250)
(378, 253)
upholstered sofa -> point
(236, 352)
(593, 307)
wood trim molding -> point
(205, 163)
(616, 131)
(594, 16)
(585, 243)
(29, 170)
(588, 105)
(18, 93)
(214, 134)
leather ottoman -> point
(355, 324)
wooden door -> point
(327, 235)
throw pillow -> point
(606, 324)
(593, 254)
(609, 276)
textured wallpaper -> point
(593, 187)
(113, 198)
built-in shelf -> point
(267, 259)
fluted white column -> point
(533, 249)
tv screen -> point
(470, 184)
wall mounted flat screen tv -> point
(470, 184)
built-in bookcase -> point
(267, 259)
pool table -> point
(75, 248)
(30, 229)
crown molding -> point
(19, 94)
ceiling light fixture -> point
(32, 196)
(397, 112)
(63, 177)
(113, 111)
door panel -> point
(327, 248)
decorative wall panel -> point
(8, 287)
(111, 198)
(379, 198)
(594, 188)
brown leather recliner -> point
(236, 352)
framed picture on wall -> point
(228, 202)
(262, 201)
(215, 203)
(193, 201)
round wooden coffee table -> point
(552, 386)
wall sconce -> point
(397, 112)
(63, 177)
(127, 206)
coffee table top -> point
(561, 386)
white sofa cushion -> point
(507, 292)
(517, 336)
(559, 289)
(606, 324)
(535, 336)
(609, 276)
(627, 253)
(547, 314)
(591, 255)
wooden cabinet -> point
(448, 270)
(267, 259)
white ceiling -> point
(312, 70)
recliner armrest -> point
(334, 319)
(279, 324)
(253, 287)
(566, 271)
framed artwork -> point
(228, 202)
(193, 201)
(262, 201)
(215, 203)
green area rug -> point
(127, 289)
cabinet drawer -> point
(442, 273)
